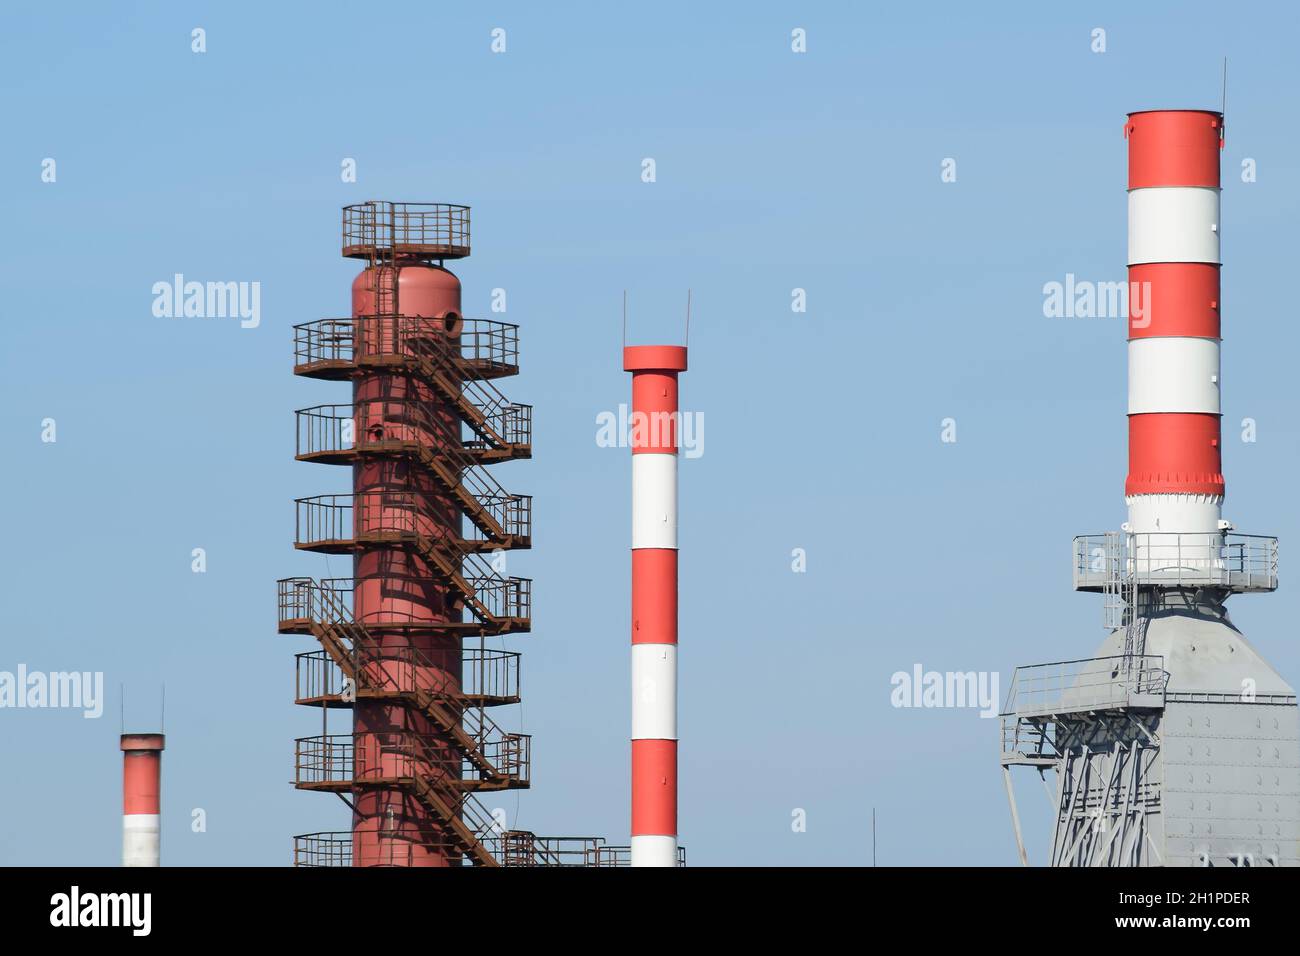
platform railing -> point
(486, 346)
(336, 523)
(512, 421)
(326, 759)
(324, 342)
(441, 230)
(486, 674)
(512, 848)
(507, 597)
(622, 856)
(1098, 683)
(1027, 741)
(509, 754)
(487, 343)
(317, 677)
(1236, 562)
(324, 520)
(504, 598)
(294, 599)
(477, 390)
(408, 671)
(523, 848)
(329, 848)
(380, 757)
(336, 429)
(345, 760)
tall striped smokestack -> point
(1175, 479)
(141, 798)
(653, 439)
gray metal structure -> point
(1177, 744)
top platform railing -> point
(381, 230)
(1238, 563)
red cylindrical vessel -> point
(398, 594)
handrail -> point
(1222, 559)
(326, 848)
(335, 520)
(380, 757)
(1087, 684)
(492, 406)
(305, 599)
(486, 673)
(482, 345)
(324, 429)
(437, 230)
(493, 752)
(523, 848)
(512, 848)
(622, 856)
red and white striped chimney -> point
(141, 799)
(653, 437)
(1175, 479)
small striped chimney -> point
(654, 424)
(141, 798)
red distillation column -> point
(397, 591)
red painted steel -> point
(647, 358)
(1173, 148)
(654, 787)
(1174, 453)
(1174, 298)
(654, 596)
(395, 585)
(141, 773)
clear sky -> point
(775, 171)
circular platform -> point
(378, 229)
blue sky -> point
(775, 171)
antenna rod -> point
(688, 317)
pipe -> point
(654, 423)
(1175, 480)
(141, 798)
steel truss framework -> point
(1107, 793)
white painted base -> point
(141, 839)
(654, 851)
